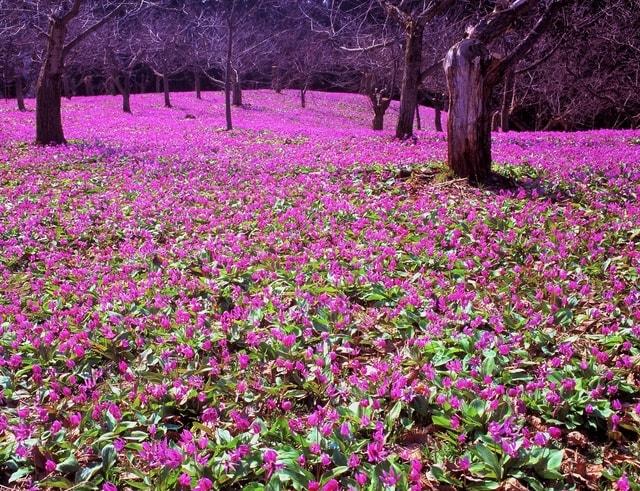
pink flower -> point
(331, 485)
(555, 432)
(204, 484)
(623, 483)
(50, 466)
(184, 480)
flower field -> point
(303, 303)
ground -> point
(303, 303)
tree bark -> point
(469, 123)
(124, 88)
(275, 80)
(378, 120)
(303, 98)
(438, 119)
(66, 87)
(410, 79)
(165, 88)
(88, 85)
(49, 87)
(158, 83)
(126, 94)
(418, 122)
(237, 90)
(227, 76)
(20, 94)
(507, 100)
(196, 77)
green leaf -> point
(393, 415)
(20, 473)
(68, 465)
(441, 421)
(490, 459)
(108, 455)
(56, 482)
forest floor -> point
(304, 303)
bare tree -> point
(472, 71)
(49, 87)
(165, 44)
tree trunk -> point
(303, 98)
(88, 85)
(66, 87)
(469, 124)
(275, 80)
(227, 76)
(196, 77)
(237, 90)
(418, 122)
(158, 83)
(49, 88)
(165, 88)
(507, 100)
(410, 80)
(126, 94)
(438, 119)
(20, 93)
(378, 119)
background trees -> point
(510, 65)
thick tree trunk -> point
(378, 120)
(196, 78)
(410, 80)
(418, 122)
(237, 90)
(507, 100)
(49, 88)
(227, 76)
(20, 93)
(469, 124)
(165, 88)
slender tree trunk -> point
(126, 94)
(495, 121)
(158, 83)
(507, 100)
(165, 88)
(410, 80)
(418, 122)
(275, 80)
(303, 97)
(227, 76)
(88, 85)
(469, 124)
(49, 88)
(196, 77)
(66, 87)
(438, 119)
(237, 90)
(20, 93)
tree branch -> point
(540, 27)
(75, 41)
